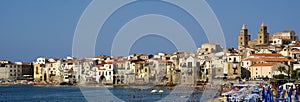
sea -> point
(98, 94)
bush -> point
(280, 76)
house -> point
(264, 58)
(53, 70)
(122, 68)
(265, 70)
(4, 70)
(39, 72)
(232, 66)
(190, 66)
(68, 70)
(160, 71)
(287, 34)
(209, 48)
(41, 60)
(103, 73)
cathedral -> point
(264, 39)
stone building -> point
(232, 67)
(4, 72)
(243, 38)
(263, 35)
(210, 48)
(287, 35)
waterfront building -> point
(68, 70)
(53, 71)
(121, 68)
(190, 68)
(20, 70)
(38, 72)
(4, 70)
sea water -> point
(74, 94)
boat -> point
(184, 96)
(154, 91)
(161, 91)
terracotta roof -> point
(109, 62)
(267, 54)
(267, 59)
(263, 64)
(296, 45)
(120, 61)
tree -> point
(281, 69)
(280, 76)
(294, 74)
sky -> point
(45, 28)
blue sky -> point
(34, 28)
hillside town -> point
(267, 57)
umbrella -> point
(296, 96)
(290, 92)
(269, 94)
(263, 94)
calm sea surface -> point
(74, 94)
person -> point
(129, 96)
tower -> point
(263, 35)
(243, 37)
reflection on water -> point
(72, 93)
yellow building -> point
(38, 72)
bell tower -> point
(263, 35)
(243, 37)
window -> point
(198, 64)
(259, 36)
(36, 70)
(190, 65)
